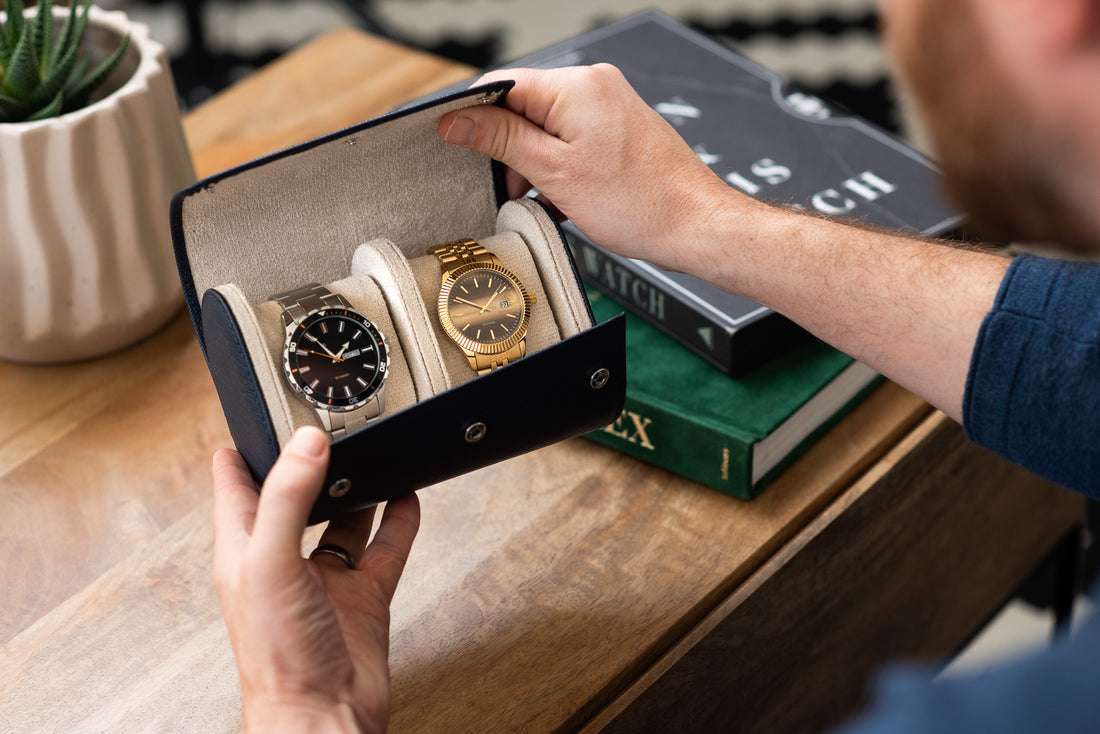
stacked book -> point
(721, 389)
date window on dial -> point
(504, 304)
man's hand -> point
(311, 638)
(599, 154)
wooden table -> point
(570, 589)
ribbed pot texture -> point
(86, 263)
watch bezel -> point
(466, 342)
(335, 405)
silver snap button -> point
(599, 378)
(339, 488)
(475, 432)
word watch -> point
(483, 307)
(334, 357)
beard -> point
(998, 166)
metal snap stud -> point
(599, 378)
(339, 488)
(475, 432)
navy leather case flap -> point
(543, 398)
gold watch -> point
(483, 307)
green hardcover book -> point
(735, 435)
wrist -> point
(737, 242)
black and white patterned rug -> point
(831, 48)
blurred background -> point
(829, 47)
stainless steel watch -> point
(334, 357)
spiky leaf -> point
(78, 96)
(15, 22)
(51, 110)
(81, 23)
(53, 83)
(11, 109)
(43, 37)
(43, 73)
(5, 50)
(22, 75)
(64, 41)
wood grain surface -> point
(903, 565)
(549, 592)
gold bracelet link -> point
(460, 252)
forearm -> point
(909, 308)
(625, 177)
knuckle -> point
(605, 74)
(498, 140)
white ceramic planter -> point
(86, 263)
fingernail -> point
(460, 131)
(308, 442)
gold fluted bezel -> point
(461, 339)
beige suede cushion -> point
(358, 214)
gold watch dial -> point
(484, 308)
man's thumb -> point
(502, 135)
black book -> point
(763, 137)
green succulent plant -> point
(42, 76)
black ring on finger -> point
(334, 550)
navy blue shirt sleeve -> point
(1033, 391)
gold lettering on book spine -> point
(632, 432)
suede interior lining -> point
(358, 212)
(263, 226)
(380, 260)
(400, 297)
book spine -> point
(630, 286)
(735, 351)
(681, 445)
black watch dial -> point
(336, 358)
(485, 306)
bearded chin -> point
(997, 169)
(1007, 184)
